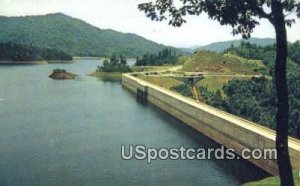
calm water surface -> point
(71, 132)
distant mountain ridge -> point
(221, 46)
(73, 36)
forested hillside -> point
(165, 57)
(15, 52)
(73, 36)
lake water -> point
(70, 133)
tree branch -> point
(263, 14)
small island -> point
(62, 74)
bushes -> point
(183, 89)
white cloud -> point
(123, 15)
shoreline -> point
(61, 61)
(42, 62)
(87, 58)
(96, 58)
(106, 75)
(3, 62)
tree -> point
(241, 15)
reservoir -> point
(70, 132)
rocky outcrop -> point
(61, 74)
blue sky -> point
(123, 15)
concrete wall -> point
(224, 128)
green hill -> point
(221, 46)
(205, 61)
(72, 36)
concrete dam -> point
(226, 129)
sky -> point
(123, 16)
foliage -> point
(252, 99)
(214, 99)
(264, 53)
(255, 52)
(240, 15)
(294, 53)
(72, 36)
(255, 65)
(115, 64)
(164, 57)
(15, 52)
(255, 100)
(214, 83)
(183, 89)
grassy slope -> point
(214, 83)
(204, 61)
(107, 75)
(257, 63)
(165, 82)
(274, 181)
(149, 68)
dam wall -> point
(229, 130)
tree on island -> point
(241, 16)
(115, 64)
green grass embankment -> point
(274, 181)
(212, 62)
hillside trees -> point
(163, 57)
(294, 53)
(15, 52)
(73, 36)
